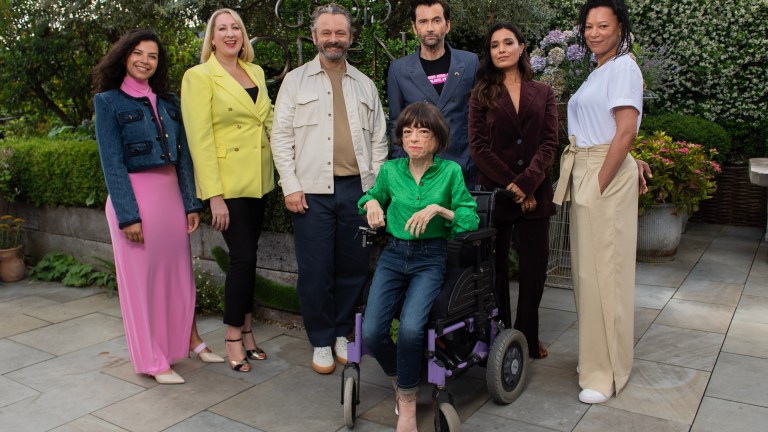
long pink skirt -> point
(154, 279)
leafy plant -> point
(106, 278)
(10, 231)
(209, 295)
(683, 173)
(688, 128)
(53, 267)
(79, 275)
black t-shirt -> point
(253, 92)
(437, 70)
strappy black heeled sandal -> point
(256, 353)
(238, 366)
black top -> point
(253, 92)
(437, 70)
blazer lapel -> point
(419, 78)
(225, 82)
(508, 106)
(528, 94)
(455, 74)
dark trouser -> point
(246, 217)
(532, 245)
(333, 265)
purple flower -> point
(574, 53)
(553, 37)
(538, 63)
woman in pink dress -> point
(151, 208)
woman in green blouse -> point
(426, 203)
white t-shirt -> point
(617, 83)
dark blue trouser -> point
(333, 265)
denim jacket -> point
(131, 140)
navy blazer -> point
(407, 83)
(517, 146)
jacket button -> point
(237, 149)
(329, 114)
(161, 118)
(258, 123)
(238, 126)
(162, 157)
(520, 162)
(157, 138)
(146, 103)
(153, 119)
(329, 186)
(519, 140)
(229, 109)
(329, 163)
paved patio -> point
(701, 358)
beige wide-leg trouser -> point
(603, 229)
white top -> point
(617, 83)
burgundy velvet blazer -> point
(517, 146)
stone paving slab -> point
(64, 365)
(72, 335)
(717, 415)
(662, 391)
(740, 378)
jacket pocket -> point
(365, 112)
(138, 149)
(174, 114)
(130, 116)
(307, 110)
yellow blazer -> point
(227, 131)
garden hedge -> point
(691, 129)
(57, 172)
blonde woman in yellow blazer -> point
(227, 115)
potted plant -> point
(11, 260)
(683, 176)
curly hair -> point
(110, 72)
(619, 8)
(490, 79)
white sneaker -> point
(590, 396)
(322, 360)
(341, 349)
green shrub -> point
(67, 172)
(690, 129)
(55, 172)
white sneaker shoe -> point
(322, 360)
(590, 396)
(341, 349)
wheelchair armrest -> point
(470, 236)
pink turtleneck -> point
(139, 88)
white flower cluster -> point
(720, 49)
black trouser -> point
(246, 217)
(532, 244)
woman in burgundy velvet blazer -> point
(513, 141)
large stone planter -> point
(12, 264)
(658, 234)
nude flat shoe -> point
(206, 357)
(171, 378)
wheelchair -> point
(463, 329)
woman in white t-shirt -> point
(601, 178)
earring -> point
(213, 47)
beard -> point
(333, 56)
(437, 41)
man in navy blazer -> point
(438, 74)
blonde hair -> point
(246, 53)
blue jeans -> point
(409, 273)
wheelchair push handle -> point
(366, 234)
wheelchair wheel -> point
(507, 369)
(448, 419)
(350, 407)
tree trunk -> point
(39, 91)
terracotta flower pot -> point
(12, 264)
